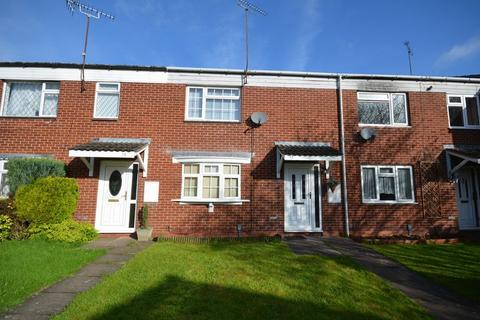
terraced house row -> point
(217, 153)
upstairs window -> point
(107, 100)
(203, 181)
(463, 112)
(382, 108)
(213, 104)
(30, 99)
(388, 184)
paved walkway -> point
(54, 299)
(440, 302)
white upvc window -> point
(463, 111)
(4, 189)
(210, 181)
(30, 99)
(387, 184)
(212, 104)
(382, 109)
(107, 100)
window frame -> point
(462, 104)
(205, 96)
(97, 91)
(42, 98)
(201, 174)
(377, 186)
(3, 173)
(392, 123)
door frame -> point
(102, 184)
(309, 167)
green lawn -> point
(30, 265)
(240, 280)
(456, 266)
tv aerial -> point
(88, 12)
(410, 54)
(247, 7)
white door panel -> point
(466, 195)
(299, 206)
(114, 196)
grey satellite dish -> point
(259, 118)
(368, 133)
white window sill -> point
(384, 125)
(465, 128)
(389, 202)
(206, 120)
(107, 119)
(29, 117)
(218, 201)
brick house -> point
(183, 141)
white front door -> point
(114, 194)
(299, 198)
(467, 198)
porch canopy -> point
(112, 148)
(464, 154)
(306, 152)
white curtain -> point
(404, 184)
(369, 184)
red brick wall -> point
(422, 141)
(156, 111)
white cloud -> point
(459, 52)
(308, 31)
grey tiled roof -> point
(304, 150)
(110, 146)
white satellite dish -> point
(368, 133)
(259, 118)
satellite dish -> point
(368, 133)
(259, 118)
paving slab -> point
(55, 298)
(98, 269)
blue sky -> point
(348, 36)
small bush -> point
(144, 224)
(5, 227)
(24, 171)
(47, 200)
(68, 231)
(18, 227)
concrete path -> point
(54, 299)
(439, 302)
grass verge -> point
(28, 266)
(251, 280)
(456, 266)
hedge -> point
(22, 171)
(67, 231)
(48, 200)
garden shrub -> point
(5, 227)
(68, 231)
(48, 200)
(22, 171)
(18, 229)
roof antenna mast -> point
(247, 7)
(410, 54)
(89, 12)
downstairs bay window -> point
(387, 184)
(210, 182)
